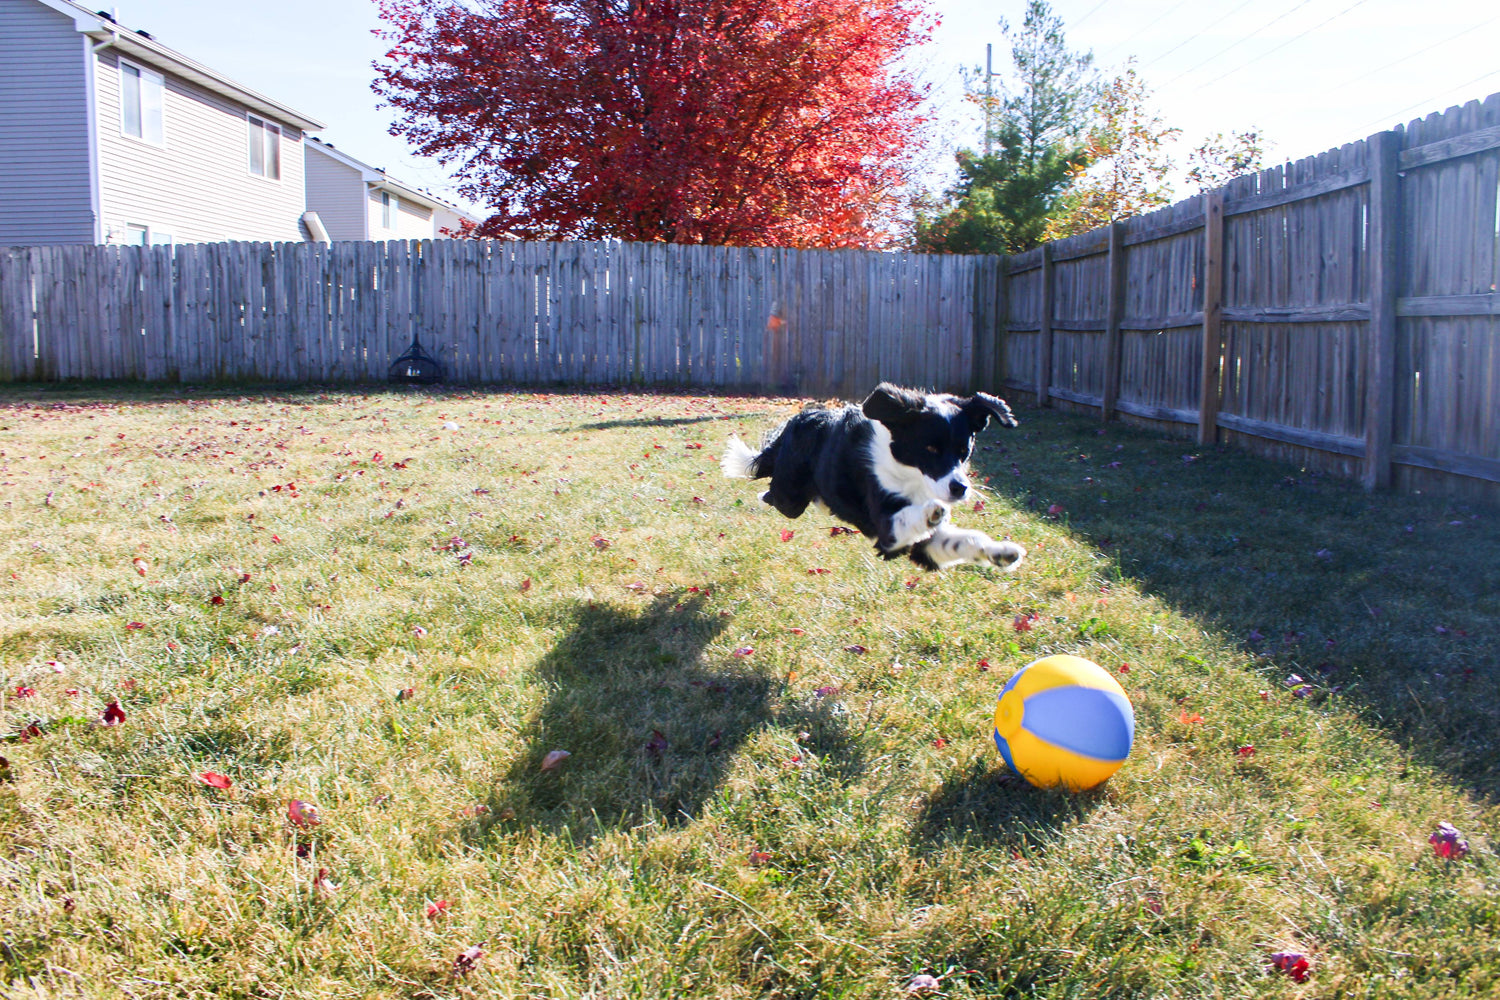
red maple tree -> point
(732, 122)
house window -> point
(136, 235)
(265, 149)
(387, 210)
(142, 99)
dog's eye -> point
(934, 448)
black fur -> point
(826, 455)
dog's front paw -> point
(934, 513)
(1006, 555)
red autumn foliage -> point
(730, 122)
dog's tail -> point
(739, 462)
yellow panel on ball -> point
(1064, 721)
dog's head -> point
(933, 434)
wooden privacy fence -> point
(805, 321)
(1341, 311)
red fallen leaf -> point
(826, 691)
(29, 731)
(786, 534)
(1185, 717)
(1055, 509)
(657, 743)
(468, 960)
(525, 585)
(1124, 668)
(134, 625)
(377, 457)
(402, 465)
(978, 506)
(1245, 751)
(693, 446)
(276, 539)
(113, 714)
(1447, 842)
(22, 691)
(128, 684)
(418, 631)
(795, 761)
(760, 857)
(600, 542)
(438, 909)
(856, 649)
(818, 571)
(984, 666)
(71, 692)
(323, 884)
(923, 984)
(214, 780)
(939, 743)
(302, 814)
(244, 578)
(554, 760)
(141, 566)
(1024, 622)
(216, 600)
(839, 529)
(406, 694)
(744, 651)
(1293, 963)
(797, 631)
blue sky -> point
(1311, 74)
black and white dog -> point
(890, 466)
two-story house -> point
(108, 136)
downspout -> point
(91, 83)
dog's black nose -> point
(958, 488)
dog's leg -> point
(950, 546)
(912, 524)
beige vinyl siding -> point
(336, 191)
(45, 194)
(197, 186)
(446, 218)
(409, 221)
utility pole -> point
(989, 100)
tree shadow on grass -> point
(650, 720)
(1386, 601)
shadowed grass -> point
(781, 783)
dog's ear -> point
(892, 405)
(983, 406)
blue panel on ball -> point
(1004, 749)
(1087, 721)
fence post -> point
(1210, 391)
(1385, 233)
(1044, 334)
(1112, 321)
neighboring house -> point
(107, 136)
(355, 201)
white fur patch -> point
(897, 477)
(737, 459)
(943, 404)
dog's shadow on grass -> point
(989, 804)
(649, 718)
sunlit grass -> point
(405, 629)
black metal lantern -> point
(415, 367)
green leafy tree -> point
(1125, 173)
(1003, 201)
(1219, 158)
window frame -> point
(143, 76)
(258, 126)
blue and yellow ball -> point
(1064, 720)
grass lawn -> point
(781, 779)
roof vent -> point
(415, 367)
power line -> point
(1241, 41)
(1412, 55)
(1270, 52)
(1092, 11)
(1194, 38)
(1425, 102)
(1149, 25)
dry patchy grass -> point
(345, 603)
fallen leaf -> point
(136, 625)
(213, 779)
(786, 534)
(923, 984)
(554, 760)
(1185, 717)
(468, 959)
(760, 857)
(217, 600)
(1245, 751)
(438, 909)
(1293, 963)
(797, 631)
(1447, 842)
(406, 694)
(856, 649)
(418, 631)
(323, 885)
(525, 585)
(839, 529)
(600, 542)
(22, 691)
(302, 814)
(1023, 623)
(744, 651)
(113, 714)
(141, 566)
(817, 571)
